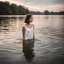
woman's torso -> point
(29, 32)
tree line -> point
(7, 8)
(46, 12)
(12, 9)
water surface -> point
(48, 47)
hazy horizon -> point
(40, 5)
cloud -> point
(38, 2)
(57, 7)
(44, 2)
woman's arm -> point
(23, 33)
(33, 33)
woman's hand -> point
(23, 32)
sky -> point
(40, 5)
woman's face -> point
(31, 19)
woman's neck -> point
(29, 25)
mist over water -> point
(48, 47)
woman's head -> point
(28, 19)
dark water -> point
(47, 48)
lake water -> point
(48, 47)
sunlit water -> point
(48, 47)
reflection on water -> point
(48, 47)
(28, 50)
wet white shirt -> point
(29, 33)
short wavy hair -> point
(27, 18)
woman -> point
(28, 29)
(28, 38)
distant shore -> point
(7, 8)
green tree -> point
(26, 11)
(22, 10)
(46, 12)
(5, 8)
(14, 9)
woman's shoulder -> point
(33, 25)
(23, 27)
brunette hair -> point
(27, 18)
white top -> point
(29, 33)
